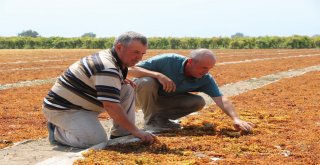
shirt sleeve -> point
(154, 64)
(108, 85)
(211, 88)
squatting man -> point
(94, 84)
(164, 84)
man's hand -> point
(243, 125)
(166, 82)
(127, 81)
(145, 136)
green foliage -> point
(316, 41)
(28, 33)
(237, 35)
(90, 34)
(266, 42)
(159, 43)
(300, 42)
(175, 43)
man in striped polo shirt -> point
(94, 84)
(164, 87)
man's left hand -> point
(243, 125)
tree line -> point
(265, 42)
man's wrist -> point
(135, 131)
(235, 118)
(156, 75)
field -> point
(286, 113)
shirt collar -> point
(123, 69)
(184, 63)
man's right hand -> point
(166, 82)
(145, 136)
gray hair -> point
(201, 53)
(127, 37)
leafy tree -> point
(223, 42)
(90, 34)
(298, 42)
(262, 43)
(316, 41)
(193, 43)
(237, 35)
(205, 42)
(237, 44)
(175, 43)
(28, 33)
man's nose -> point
(139, 57)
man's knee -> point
(89, 142)
(200, 103)
(95, 139)
(146, 83)
(84, 140)
(196, 103)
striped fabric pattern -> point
(86, 83)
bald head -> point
(201, 61)
(202, 55)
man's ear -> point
(118, 47)
(190, 61)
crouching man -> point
(164, 87)
(94, 84)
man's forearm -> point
(226, 106)
(229, 110)
(141, 72)
(116, 113)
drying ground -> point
(21, 117)
(286, 115)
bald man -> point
(164, 84)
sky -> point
(161, 18)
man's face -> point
(132, 53)
(201, 67)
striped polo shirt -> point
(88, 82)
